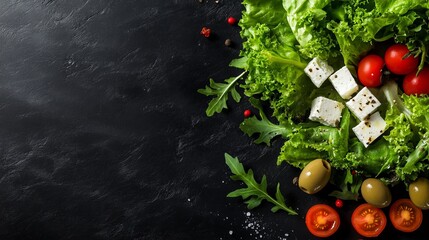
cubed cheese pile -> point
(363, 105)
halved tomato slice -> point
(405, 216)
(368, 221)
(322, 220)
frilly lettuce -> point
(307, 20)
(275, 67)
(408, 119)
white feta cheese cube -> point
(326, 111)
(370, 129)
(363, 104)
(318, 71)
(344, 82)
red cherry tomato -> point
(370, 70)
(419, 84)
(405, 216)
(397, 61)
(322, 220)
(368, 220)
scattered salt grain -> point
(230, 232)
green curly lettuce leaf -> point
(274, 64)
(408, 119)
(307, 20)
(308, 143)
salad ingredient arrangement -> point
(299, 63)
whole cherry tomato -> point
(370, 70)
(399, 60)
(417, 83)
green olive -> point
(419, 192)
(314, 176)
(376, 193)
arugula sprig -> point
(221, 92)
(264, 127)
(349, 186)
(255, 192)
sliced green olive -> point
(314, 176)
(419, 193)
(376, 193)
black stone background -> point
(103, 135)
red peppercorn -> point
(353, 172)
(339, 203)
(247, 113)
(206, 32)
(232, 21)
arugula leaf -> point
(220, 91)
(349, 185)
(255, 192)
(266, 129)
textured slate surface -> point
(103, 135)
